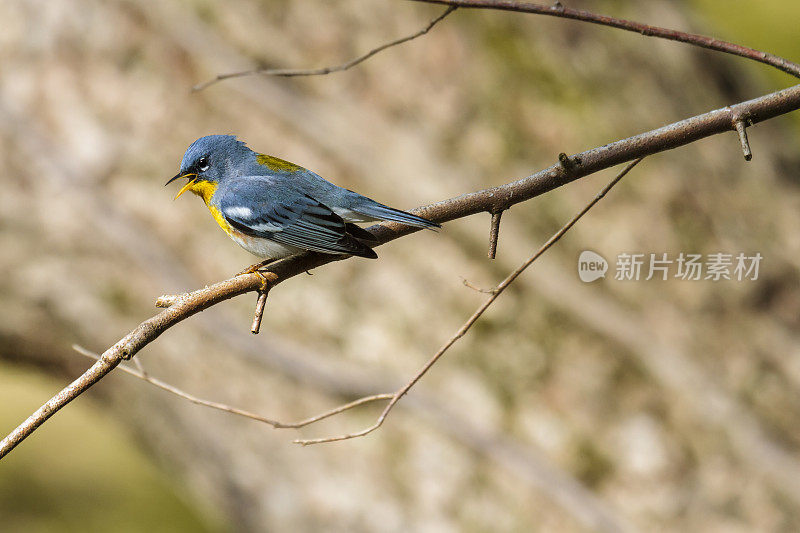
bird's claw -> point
(266, 279)
(254, 268)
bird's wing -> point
(275, 211)
(371, 209)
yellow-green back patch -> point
(277, 164)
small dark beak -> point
(180, 175)
(191, 175)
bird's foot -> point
(266, 277)
(256, 267)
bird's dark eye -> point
(202, 164)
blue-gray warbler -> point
(273, 208)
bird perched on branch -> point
(273, 208)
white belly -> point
(263, 247)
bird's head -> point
(210, 160)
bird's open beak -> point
(190, 175)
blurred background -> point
(668, 405)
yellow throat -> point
(205, 190)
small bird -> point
(273, 208)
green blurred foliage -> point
(770, 26)
(81, 472)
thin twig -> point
(468, 283)
(492, 199)
(494, 233)
(136, 361)
(741, 129)
(476, 315)
(144, 376)
(259, 313)
(340, 409)
(645, 29)
(287, 72)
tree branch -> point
(519, 458)
(494, 234)
(290, 72)
(647, 30)
(487, 200)
(140, 373)
(741, 130)
(493, 295)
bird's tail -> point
(384, 212)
